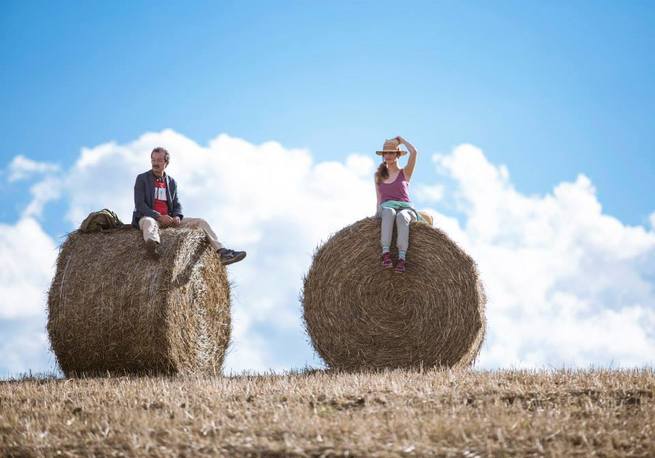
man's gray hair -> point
(159, 149)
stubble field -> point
(317, 413)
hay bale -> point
(113, 309)
(360, 316)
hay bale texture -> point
(113, 309)
(360, 316)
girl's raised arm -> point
(411, 162)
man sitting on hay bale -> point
(156, 205)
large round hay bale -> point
(113, 309)
(361, 316)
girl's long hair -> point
(382, 173)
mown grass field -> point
(396, 413)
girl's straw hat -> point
(392, 146)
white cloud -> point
(28, 257)
(24, 347)
(28, 260)
(567, 284)
(21, 168)
(429, 193)
(44, 191)
(361, 165)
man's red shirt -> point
(160, 202)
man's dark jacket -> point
(144, 195)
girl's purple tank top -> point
(396, 190)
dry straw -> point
(360, 316)
(113, 309)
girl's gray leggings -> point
(402, 218)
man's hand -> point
(176, 221)
(164, 220)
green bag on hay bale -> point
(101, 220)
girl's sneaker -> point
(387, 263)
(400, 266)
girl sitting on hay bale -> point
(393, 203)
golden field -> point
(321, 413)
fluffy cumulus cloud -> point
(28, 257)
(567, 284)
(21, 168)
(429, 193)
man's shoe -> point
(230, 256)
(387, 263)
(400, 266)
(153, 249)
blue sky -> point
(549, 89)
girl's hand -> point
(401, 140)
